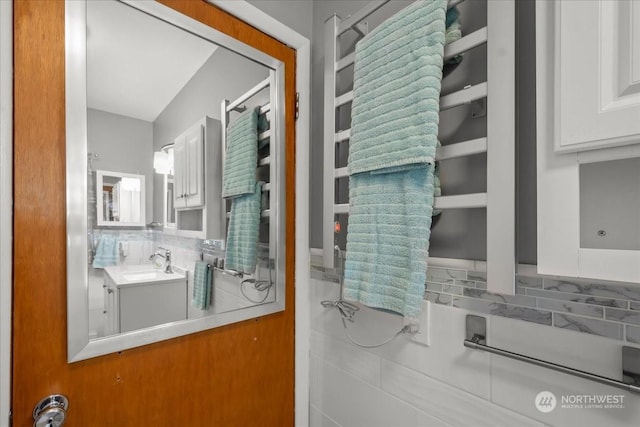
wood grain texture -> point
(237, 375)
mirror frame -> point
(79, 346)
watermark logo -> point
(546, 401)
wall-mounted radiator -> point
(498, 91)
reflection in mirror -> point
(120, 199)
(161, 106)
(610, 204)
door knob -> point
(51, 411)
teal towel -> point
(388, 239)
(106, 253)
(397, 77)
(242, 237)
(241, 157)
(202, 285)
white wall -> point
(407, 384)
(124, 144)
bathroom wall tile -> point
(529, 282)
(446, 359)
(466, 283)
(571, 307)
(481, 285)
(318, 419)
(585, 299)
(507, 299)
(607, 290)
(505, 310)
(435, 274)
(358, 362)
(349, 401)
(634, 305)
(633, 334)
(433, 287)
(624, 316)
(449, 404)
(477, 275)
(438, 298)
(587, 325)
(451, 289)
(516, 384)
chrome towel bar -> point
(476, 339)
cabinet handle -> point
(110, 291)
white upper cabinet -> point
(588, 138)
(597, 54)
(189, 165)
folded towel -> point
(242, 236)
(202, 285)
(388, 239)
(397, 76)
(241, 156)
(106, 253)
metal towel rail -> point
(476, 339)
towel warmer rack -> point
(238, 105)
(499, 143)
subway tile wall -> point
(607, 309)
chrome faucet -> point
(166, 256)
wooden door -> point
(237, 375)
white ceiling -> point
(137, 64)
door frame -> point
(6, 202)
(264, 22)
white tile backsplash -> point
(407, 384)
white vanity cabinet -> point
(188, 153)
(588, 135)
(138, 298)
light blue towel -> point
(394, 129)
(202, 285)
(241, 157)
(244, 226)
(397, 77)
(106, 253)
(388, 239)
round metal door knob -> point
(51, 411)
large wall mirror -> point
(175, 177)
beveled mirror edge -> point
(79, 347)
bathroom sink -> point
(142, 275)
(138, 274)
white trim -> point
(302, 45)
(6, 201)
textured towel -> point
(106, 253)
(241, 156)
(242, 237)
(202, 284)
(388, 239)
(397, 76)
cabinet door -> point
(588, 139)
(179, 167)
(597, 63)
(194, 184)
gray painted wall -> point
(124, 145)
(225, 75)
